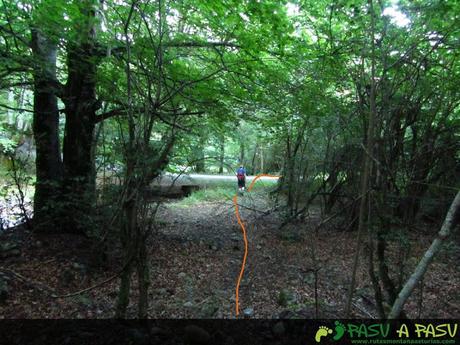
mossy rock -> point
(286, 297)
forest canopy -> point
(354, 104)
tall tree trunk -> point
(261, 160)
(289, 173)
(80, 108)
(46, 132)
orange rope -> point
(243, 229)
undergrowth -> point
(224, 192)
(220, 193)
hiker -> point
(241, 176)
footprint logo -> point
(339, 330)
(321, 332)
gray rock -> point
(182, 275)
(162, 291)
(188, 304)
(248, 312)
(196, 335)
(258, 246)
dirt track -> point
(195, 260)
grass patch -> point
(208, 194)
(224, 191)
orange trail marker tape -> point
(245, 238)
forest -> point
(123, 124)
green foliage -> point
(209, 194)
(7, 145)
(251, 79)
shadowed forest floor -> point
(195, 260)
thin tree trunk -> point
(262, 160)
(383, 268)
(143, 277)
(253, 161)
(450, 222)
(287, 176)
(367, 166)
(375, 282)
(200, 166)
(123, 292)
(129, 224)
(221, 154)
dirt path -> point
(207, 258)
(201, 249)
(195, 261)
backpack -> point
(240, 174)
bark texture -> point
(81, 105)
(46, 132)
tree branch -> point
(15, 109)
(450, 222)
(196, 44)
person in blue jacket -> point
(241, 176)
